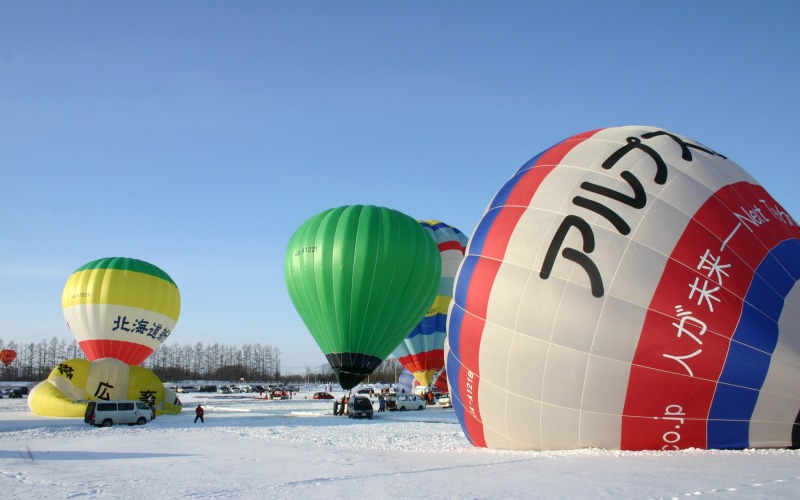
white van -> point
(108, 413)
(403, 402)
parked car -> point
(108, 413)
(323, 395)
(366, 391)
(403, 402)
(16, 393)
(279, 394)
(359, 406)
(224, 389)
(444, 401)
(208, 388)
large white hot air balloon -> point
(629, 288)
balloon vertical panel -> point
(628, 288)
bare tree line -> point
(178, 362)
(36, 361)
(173, 362)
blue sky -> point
(199, 135)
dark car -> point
(366, 391)
(323, 395)
(359, 407)
(15, 393)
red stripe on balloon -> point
(451, 245)
(519, 198)
(469, 380)
(128, 352)
(485, 272)
(687, 333)
(424, 361)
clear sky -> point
(199, 135)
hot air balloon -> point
(75, 381)
(422, 351)
(120, 308)
(360, 277)
(7, 356)
(629, 288)
(406, 382)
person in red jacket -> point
(199, 414)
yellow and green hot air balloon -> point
(361, 277)
(120, 308)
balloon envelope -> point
(75, 381)
(629, 288)
(408, 383)
(422, 351)
(360, 277)
(7, 356)
(121, 308)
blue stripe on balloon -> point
(495, 207)
(532, 162)
(429, 325)
(440, 225)
(753, 324)
(751, 348)
(479, 236)
(464, 278)
(751, 370)
(454, 374)
(422, 343)
(456, 317)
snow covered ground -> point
(252, 448)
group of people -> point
(340, 408)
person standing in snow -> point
(199, 414)
(381, 403)
(151, 403)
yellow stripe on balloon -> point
(97, 286)
(425, 377)
(439, 306)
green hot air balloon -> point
(361, 277)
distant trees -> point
(171, 362)
(176, 362)
(35, 361)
